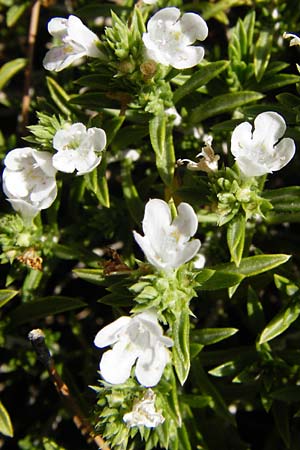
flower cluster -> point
(29, 177)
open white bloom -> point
(166, 243)
(78, 148)
(77, 41)
(29, 180)
(134, 339)
(168, 39)
(295, 40)
(144, 413)
(174, 114)
(262, 150)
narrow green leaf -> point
(180, 349)
(162, 142)
(278, 81)
(44, 307)
(207, 388)
(236, 238)
(94, 276)
(97, 183)
(131, 195)
(10, 69)
(59, 96)
(209, 336)
(196, 401)
(14, 13)
(221, 104)
(281, 416)
(281, 322)
(221, 280)
(6, 427)
(51, 445)
(254, 265)
(206, 73)
(288, 394)
(6, 295)
(262, 53)
(227, 369)
(255, 311)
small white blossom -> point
(208, 162)
(295, 40)
(77, 41)
(144, 413)
(150, 2)
(166, 243)
(29, 180)
(174, 114)
(168, 39)
(262, 150)
(199, 261)
(134, 339)
(78, 148)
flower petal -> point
(115, 364)
(150, 365)
(157, 218)
(64, 161)
(97, 138)
(186, 57)
(285, 150)
(82, 35)
(57, 59)
(110, 334)
(27, 210)
(193, 27)
(186, 253)
(269, 126)
(186, 221)
(241, 136)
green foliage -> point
(235, 361)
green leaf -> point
(236, 238)
(206, 73)
(221, 104)
(281, 416)
(270, 83)
(44, 307)
(10, 69)
(162, 142)
(207, 388)
(6, 295)
(262, 53)
(288, 394)
(255, 311)
(221, 280)
(227, 369)
(51, 445)
(94, 276)
(196, 401)
(15, 12)
(131, 195)
(285, 202)
(111, 127)
(59, 96)
(281, 321)
(209, 336)
(97, 183)
(254, 265)
(180, 349)
(6, 427)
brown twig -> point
(37, 339)
(34, 20)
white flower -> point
(166, 243)
(29, 180)
(169, 38)
(150, 2)
(199, 261)
(78, 148)
(262, 150)
(143, 413)
(295, 39)
(174, 114)
(77, 41)
(208, 163)
(134, 339)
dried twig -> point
(34, 20)
(37, 339)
